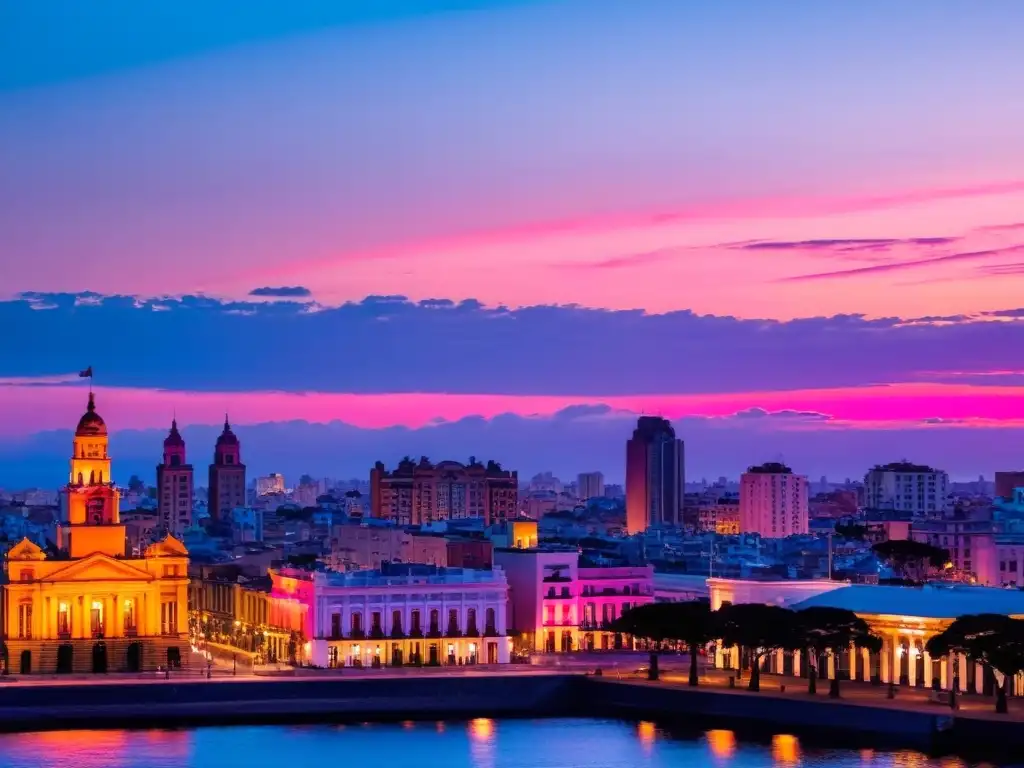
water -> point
(477, 744)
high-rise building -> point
(905, 487)
(174, 485)
(227, 476)
(1006, 482)
(655, 476)
(272, 483)
(590, 485)
(773, 501)
(422, 492)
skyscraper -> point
(590, 485)
(773, 501)
(655, 476)
(174, 485)
(227, 475)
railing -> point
(132, 631)
(490, 631)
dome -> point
(91, 424)
(174, 438)
(227, 437)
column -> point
(885, 660)
(796, 663)
(853, 664)
(927, 669)
(115, 625)
(84, 618)
(961, 666)
(719, 660)
(912, 663)
(734, 657)
(944, 681)
(866, 657)
(979, 678)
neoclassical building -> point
(89, 606)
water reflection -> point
(785, 749)
(722, 744)
(481, 736)
(93, 749)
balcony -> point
(397, 634)
(377, 633)
(490, 631)
(416, 632)
(563, 595)
(434, 632)
(471, 631)
(357, 634)
(452, 631)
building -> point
(95, 607)
(368, 545)
(1006, 482)
(515, 534)
(417, 493)
(272, 483)
(559, 605)
(773, 501)
(721, 516)
(227, 475)
(904, 617)
(905, 487)
(174, 485)
(401, 614)
(655, 476)
(970, 542)
(590, 485)
(469, 552)
(245, 624)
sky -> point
(504, 229)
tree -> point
(852, 531)
(691, 623)
(993, 640)
(911, 559)
(761, 629)
(307, 480)
(822, 629)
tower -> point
(227, 475)
(655, 476)
(174, 485)
(93, 521)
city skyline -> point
(824, 261)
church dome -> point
(91, 424)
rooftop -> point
(399, 574)
(931, 601)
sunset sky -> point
(504, 228)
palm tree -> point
(993, 640)
(822, 629)
(761, 629)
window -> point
(129, 617)
(416, 622)
(25, 621)
(357, 623)
(335, 625)
(453, 621)
(435, 620)
(27, 574)
(64, 619)
(169, 618)
(96, 618)
(396, 622)
(471, 621)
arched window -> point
(491, 628)
(80, 479)
(92, 477)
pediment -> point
(167, 547)
(26, 550)
(99, 567)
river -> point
(477, 744)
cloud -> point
(285, 291)
(842, 246)
(392, 344)
(905, 265)
(787, 414)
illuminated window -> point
(63, 619)
(96, 618)
(25, 621)
(129, 616)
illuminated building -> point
(905, 487)
(721, 516)
(401, 614)
(227, 476)
(246, 624)
(655, 476)
(515, 534)
(560, 606)
(773, 501)
(92, 607)
(272, 483)
(416, 493)
(904, 617)
(174, 485)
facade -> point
(227, 476)
(590, 485)
(95, 607)
(904, 617)
(174, 485)
(721, 516)
(515, 534)
(417, 493)
(233, 621)
(272, 483)
(655, 476)
(367, 546)
(970, 542)
(401, 614)
(558, 606)
(904, 487)
(773, 501)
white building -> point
(906, 487)
(773, 501)
(590, 485)
(401, 614)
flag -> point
(86, 374)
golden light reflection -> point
(481, 729)
(722, 743)
(439, 726)
(867, 755)
(952, 762)
(647, 732)
(785, 749)
(408, 725)
(909, 759)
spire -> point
(91, 408)
(227, 425)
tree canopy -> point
(761, 629)
(912, 559)
(824, 629)
(691, 623)
(993, 640)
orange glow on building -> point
(722, 743)
(785, 749)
